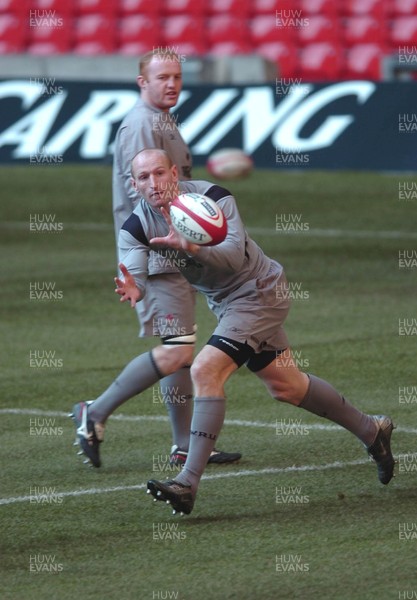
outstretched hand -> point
(127, 288)
(174, 239)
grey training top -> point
(217, 271)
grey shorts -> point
(255, 313)
(168, 308)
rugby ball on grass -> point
(198, 219)
(229, 163)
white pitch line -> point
(87, 492)
(278, 423)
(243, 473)
(269, 231)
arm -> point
(126, 287)
(134, 260)
(230, 254)
(227, 256)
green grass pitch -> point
(303, 514)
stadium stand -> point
(311, 39)
(226, 28)
(13, 33)
(363, 30)
(328, 8)
(402, 7)
(321, 61)
(185, 7)
(142, 29)
(234, 8)
(318, 28)
(363, 62)
(94, 33)
(140, 7)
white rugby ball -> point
(229, 163)
(199, 219)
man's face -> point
(161, 84)
(154, 179)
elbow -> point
(235, 259)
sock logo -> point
(209, 436)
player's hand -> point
(127, 288)
(174, 239)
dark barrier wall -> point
(344, 125)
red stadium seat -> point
(185, 49)
(287, 12)
(399, 8)
(225, 28)
(55, 31)
(12, 47)
(403, 30)
(62, 46)
(263, 29)
(92, 31)
(94, 47)
(63, 7)
(364, 62)
(321, 62)
(230, 48)
(319, 7)
(13, 31)
(139, 28)
(318, 29)
(182, 29)
(284, 55)
(265, 7)
(238, 8)
(132, 48)
(88, 7)
(140, 7)
(371, 8)
(17, 7)
(364, 30)
(186, 7)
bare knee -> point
(292, 391)
(171, 358)
(202, 373)
(210, 371)
(285, 394)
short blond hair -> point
(160, 52)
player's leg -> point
(287, 383)
(171, 315)
(168, 311)
(227, 349)
(210, 371)
(176, 392)
(142, 372)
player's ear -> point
(141, 81)
(174, 171)
(133, 184)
